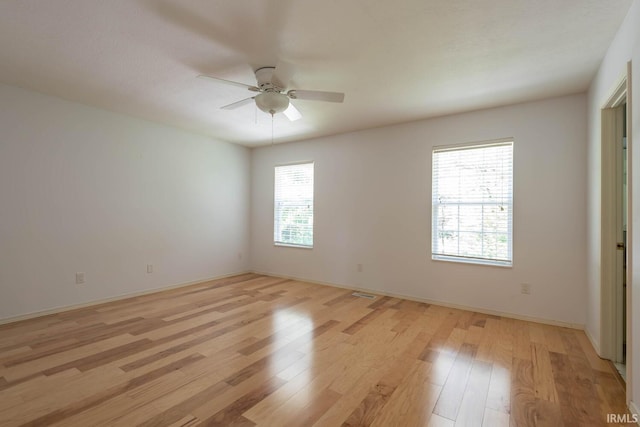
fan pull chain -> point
(271, 128)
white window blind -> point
(472, 203)
(293, 205)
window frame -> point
(505, 263)
(288, 244)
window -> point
(472, 202)
(293, 205)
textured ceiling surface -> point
(395, 61)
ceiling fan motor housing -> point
(264, 76)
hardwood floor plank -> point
(536, 333)
(102, 358)
(443, 357)
(183, 408)
(8, 384)
(316, 332)
(438, 421)
(187, 421)
(328, 348)
(369, 407)
(584, 387)
(40, 365)
(500, 385)
(38, 396)
(175, 330)
(345, 296)
(159, 352)
(614, 395)
(553, 340)
(472, 407)
(362, 398)
(493, 418)
(362, 322)
(283, 359)
(489, 337)
(129, 408)
(276, 281)
(464, 320)
(97, 399)
(521, 340)
(368, 355)
(403, 408)
(442, 331)
(573, 407)
(95, 333)
(197, 378)
(380, 301)
(523, 395)
(233, 413)
(337, 367)
(450, 399)
(309, 414)
(259, 350)
(542, 373)
(547, 413)
(594, 360)
(499, 393)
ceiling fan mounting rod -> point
(264, 75)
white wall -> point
(625, 47)
(372, 206)
(86, 190)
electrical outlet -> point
(359, 268)
(79, 278)
(525, 288)
(239, 256)
(149, 268)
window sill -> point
(291, 245)
(473, 261)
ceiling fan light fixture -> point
(272, 102)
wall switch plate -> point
(149, 268)
(525, 288)
(359, 268)
(80, 278)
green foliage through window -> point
(472, 203)
(293, 205)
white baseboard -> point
(111, 299)
(434, 302)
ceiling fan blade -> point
(316, 95)
(229, 82)
(238, 104)
(282, 74)
(292, 113)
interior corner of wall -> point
(594, 342)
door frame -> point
(611, 307)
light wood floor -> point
(257, 350)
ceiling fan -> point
(272, 94)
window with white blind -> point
(472, 203)
(293, 205)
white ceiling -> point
(396, 61)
